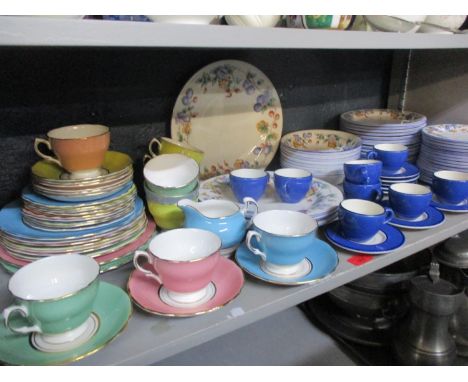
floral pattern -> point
(456, 133)
(384, 116)
(321, 141)
(232, 81)
(322, 199)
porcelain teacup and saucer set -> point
(184, 274)
(363, 228)
(83, 169)
(395, 168)
(411, 204)
(450, 190)
(62, 312)
(282, 248)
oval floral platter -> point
(232, 112)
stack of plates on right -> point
(444, 147)
(376, 126)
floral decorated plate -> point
(321, 202)
(386, 117)
(321, 141)
(447, 133)
(230, 110)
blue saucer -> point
(386, 240)
(429, 219)
(460, 208)
(11, 222)
(408, 170)
(323, 258)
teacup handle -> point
(23, 310)
(372, 155)
(37, 142)
(247, 212)
(147, 273)
(389, 215)
(154, 140)
(146, 158)
(254, 250)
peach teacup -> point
(80, 149)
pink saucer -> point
(228, 280)
(103, 259)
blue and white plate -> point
(429, 219)
(321, 202)
(460, 208)
(321, 261)
(408, 170)
(388, 239)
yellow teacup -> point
(166, 216)
(170, 146)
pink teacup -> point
(182, 261)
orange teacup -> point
(80, 149)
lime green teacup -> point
(170, 146)
(55, 295)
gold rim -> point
(80, 139)
(285, 283)
(182, 315)
(91, 352)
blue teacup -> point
(360, 219)
(292, 184)
(363, 171)
(248, 182)
(450, 187)
(409, 200)
(282, 238)
(392, 155)
(372, 192)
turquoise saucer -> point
(322, 257)
(113, 310)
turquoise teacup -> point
(55, 295)
(282, 239)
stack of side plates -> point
(111, 245)
(409, 173)
(52, 181)
(376, 126)
(52, 215)
(322, 152)
(444, 147)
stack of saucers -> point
(444, 147)
(321, 152)
(52, 181)
(168, 179)
(376, 126)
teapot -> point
(222, 217)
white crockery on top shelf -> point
(394, 23)
(264, 21)
(184, 19)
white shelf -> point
(149, 339)
(30, 31)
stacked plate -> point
(52, 215)
(322, 152)
(111, 245)
(321, 202)
(376, 126)
(52, 181)
(409, 173)
(444, 147)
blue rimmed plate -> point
(429, 219)
(322, 259)
(408, 170)
(460, 208)
(386, 240)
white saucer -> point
(187, 300)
